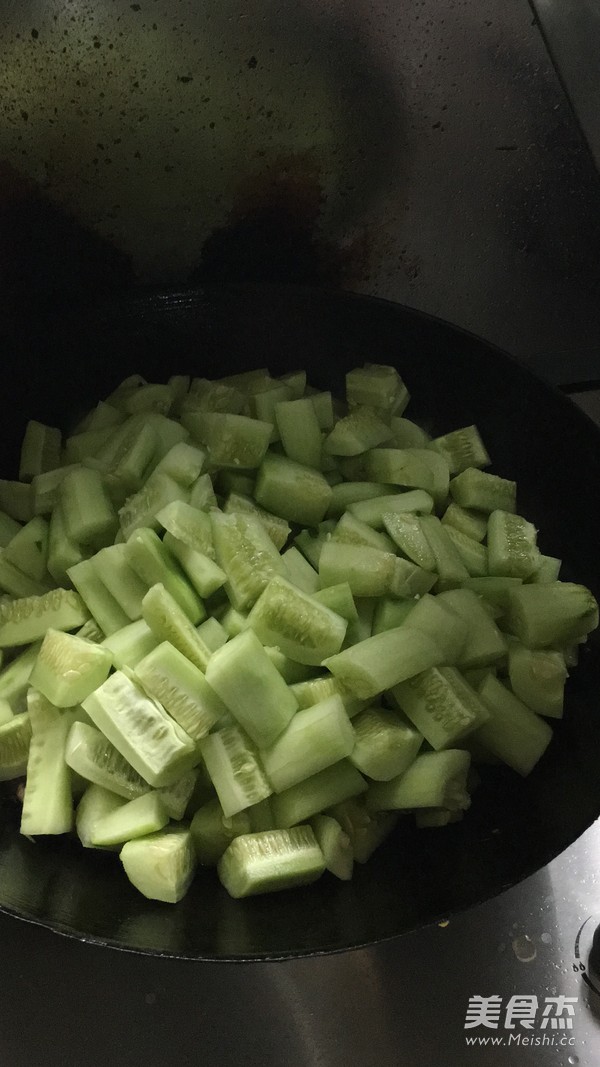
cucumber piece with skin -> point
(8, 528)
(231, 440)
(299, 572)
(15, 738)
(335, 846)
(129, 645)
(87, 510)
(94, 805)
(212, 832)
(107, 612)
(14, 679)
(434, 780)
(277, 529)
(480, 491)
(63, 552)
(246, 554)
(315, 738)
(468, 522)
(385, 660)
(362, 429)
(537, 677)
(299, 431)
(513, 733)
(373, 509)
(435, 618)
(16, 499)
(512, 546)
(484, 644)
(270, 861)
(346, 493)
(69, 668)
(162, 865)
(550, 614)
(124, 585)
(315, 794)
(27, 619)
(201, 571)
(91, 755)
(473, 555)
(137, 818)
(47, 801)
(16, 583)
(252, 688)
(292, 490)
(154, 564)
(407, 534)
(235, 770)
(189, 525)
(386, 743)
(441, 705)
(304, 629)
(462, 449)
(172, 679)
(377, 386)
(141, 730)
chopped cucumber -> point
(386, 743)
(303, 628)
(235, 770)
(91, 755)
(315, 738)
(271, 860)
(248, 669)
(161, 866)
(69, 668)
(141, 730)
(252, 688)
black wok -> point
(56, 368)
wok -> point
(57, 366)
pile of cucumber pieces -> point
(248, 625)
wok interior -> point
(63, 364)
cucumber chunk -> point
(441, 705)
(513, 733)
(15, 738)
(434, 780)
(335, 846)
(137, 818)
(47, 801)
(357, 432)
(271, 860)
(303, 628)
(550, 614)
(537, 677)
(235, 769)
(129, 645)
(512, 546)
(141, 730)
(246, 554)
(462, 449)
(94, 805)
(377, 386)
(299, 431)
(252, 688)
(212, 831)
(27, 619)
(315, 738)
(154, 564)
(382, 661)
(69, 668)
(480, 491)
(91, 755)
(162, 865)
(277, 529)
(315, 794)
(386, 743)
(168, 676)
(374, 508)
(292, 490)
